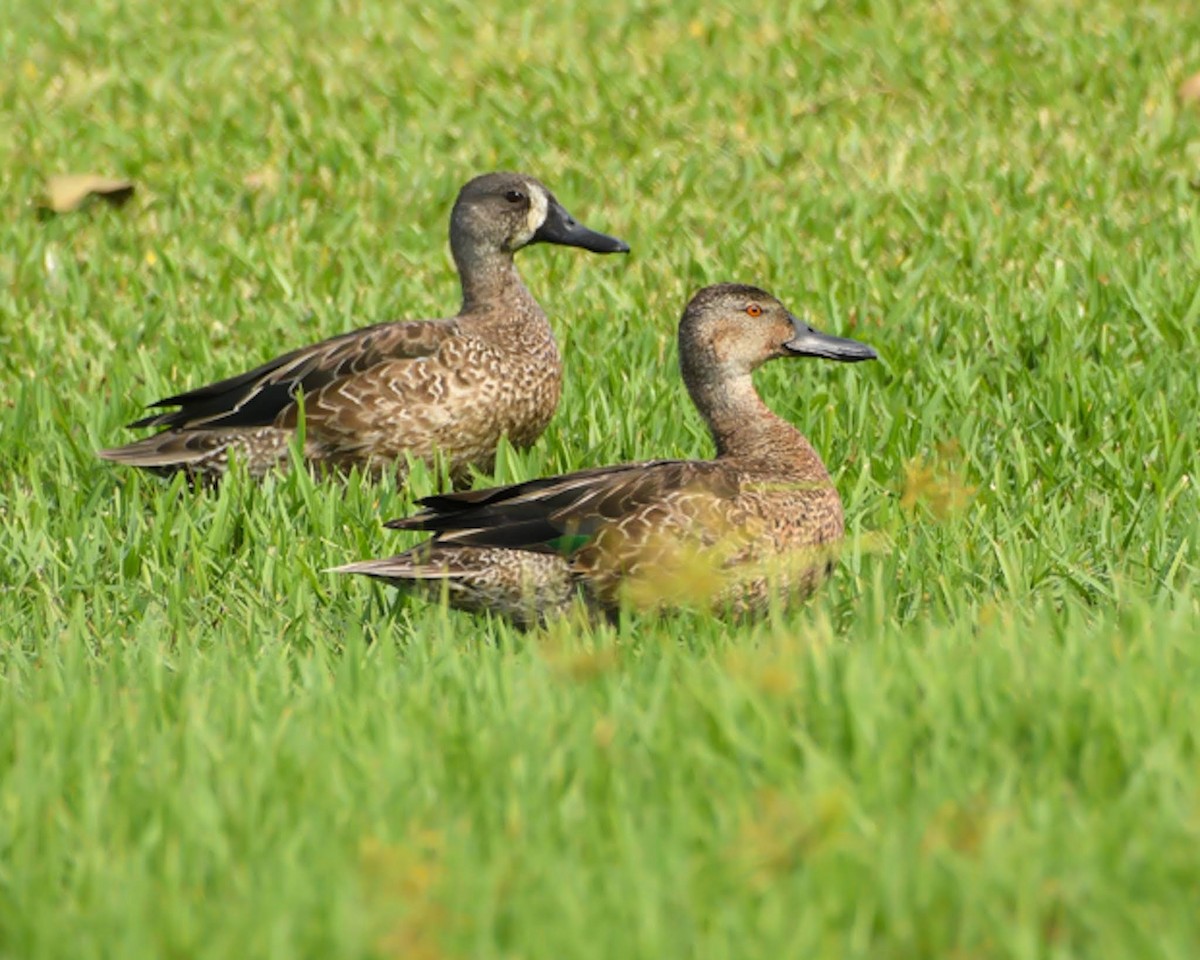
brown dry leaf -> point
(68, 191)
(1189, 90)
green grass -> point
(979, 741)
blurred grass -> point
(978, 742)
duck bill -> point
(808, 342)
(562, 228)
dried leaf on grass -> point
(68, 191)
(1189, 90)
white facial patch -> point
(538, 207)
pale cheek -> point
(522, 238)
(537, 211)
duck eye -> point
(754, 310)
(514, 196)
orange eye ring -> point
(754, 310)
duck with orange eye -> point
(759, 524)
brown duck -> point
(762, 519)
(375, 396)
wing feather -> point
(257, 397)
(561, 513)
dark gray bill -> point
(562, 228)
(813, 343)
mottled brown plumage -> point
(762, 519)
(375, 396)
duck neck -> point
(488, 277)
(744, 427)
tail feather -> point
(170, 449)
(523, 586)
(433, 561)
(400, 567)
(203, 451)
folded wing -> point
(562, 514)
(257, 397)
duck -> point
(378, 397)
(760, 520)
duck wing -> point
(562, 514)
(257, 397)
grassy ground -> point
(980, 741)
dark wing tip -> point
(415, 522)
(153, 420)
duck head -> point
(731, 329)
(503, 212)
